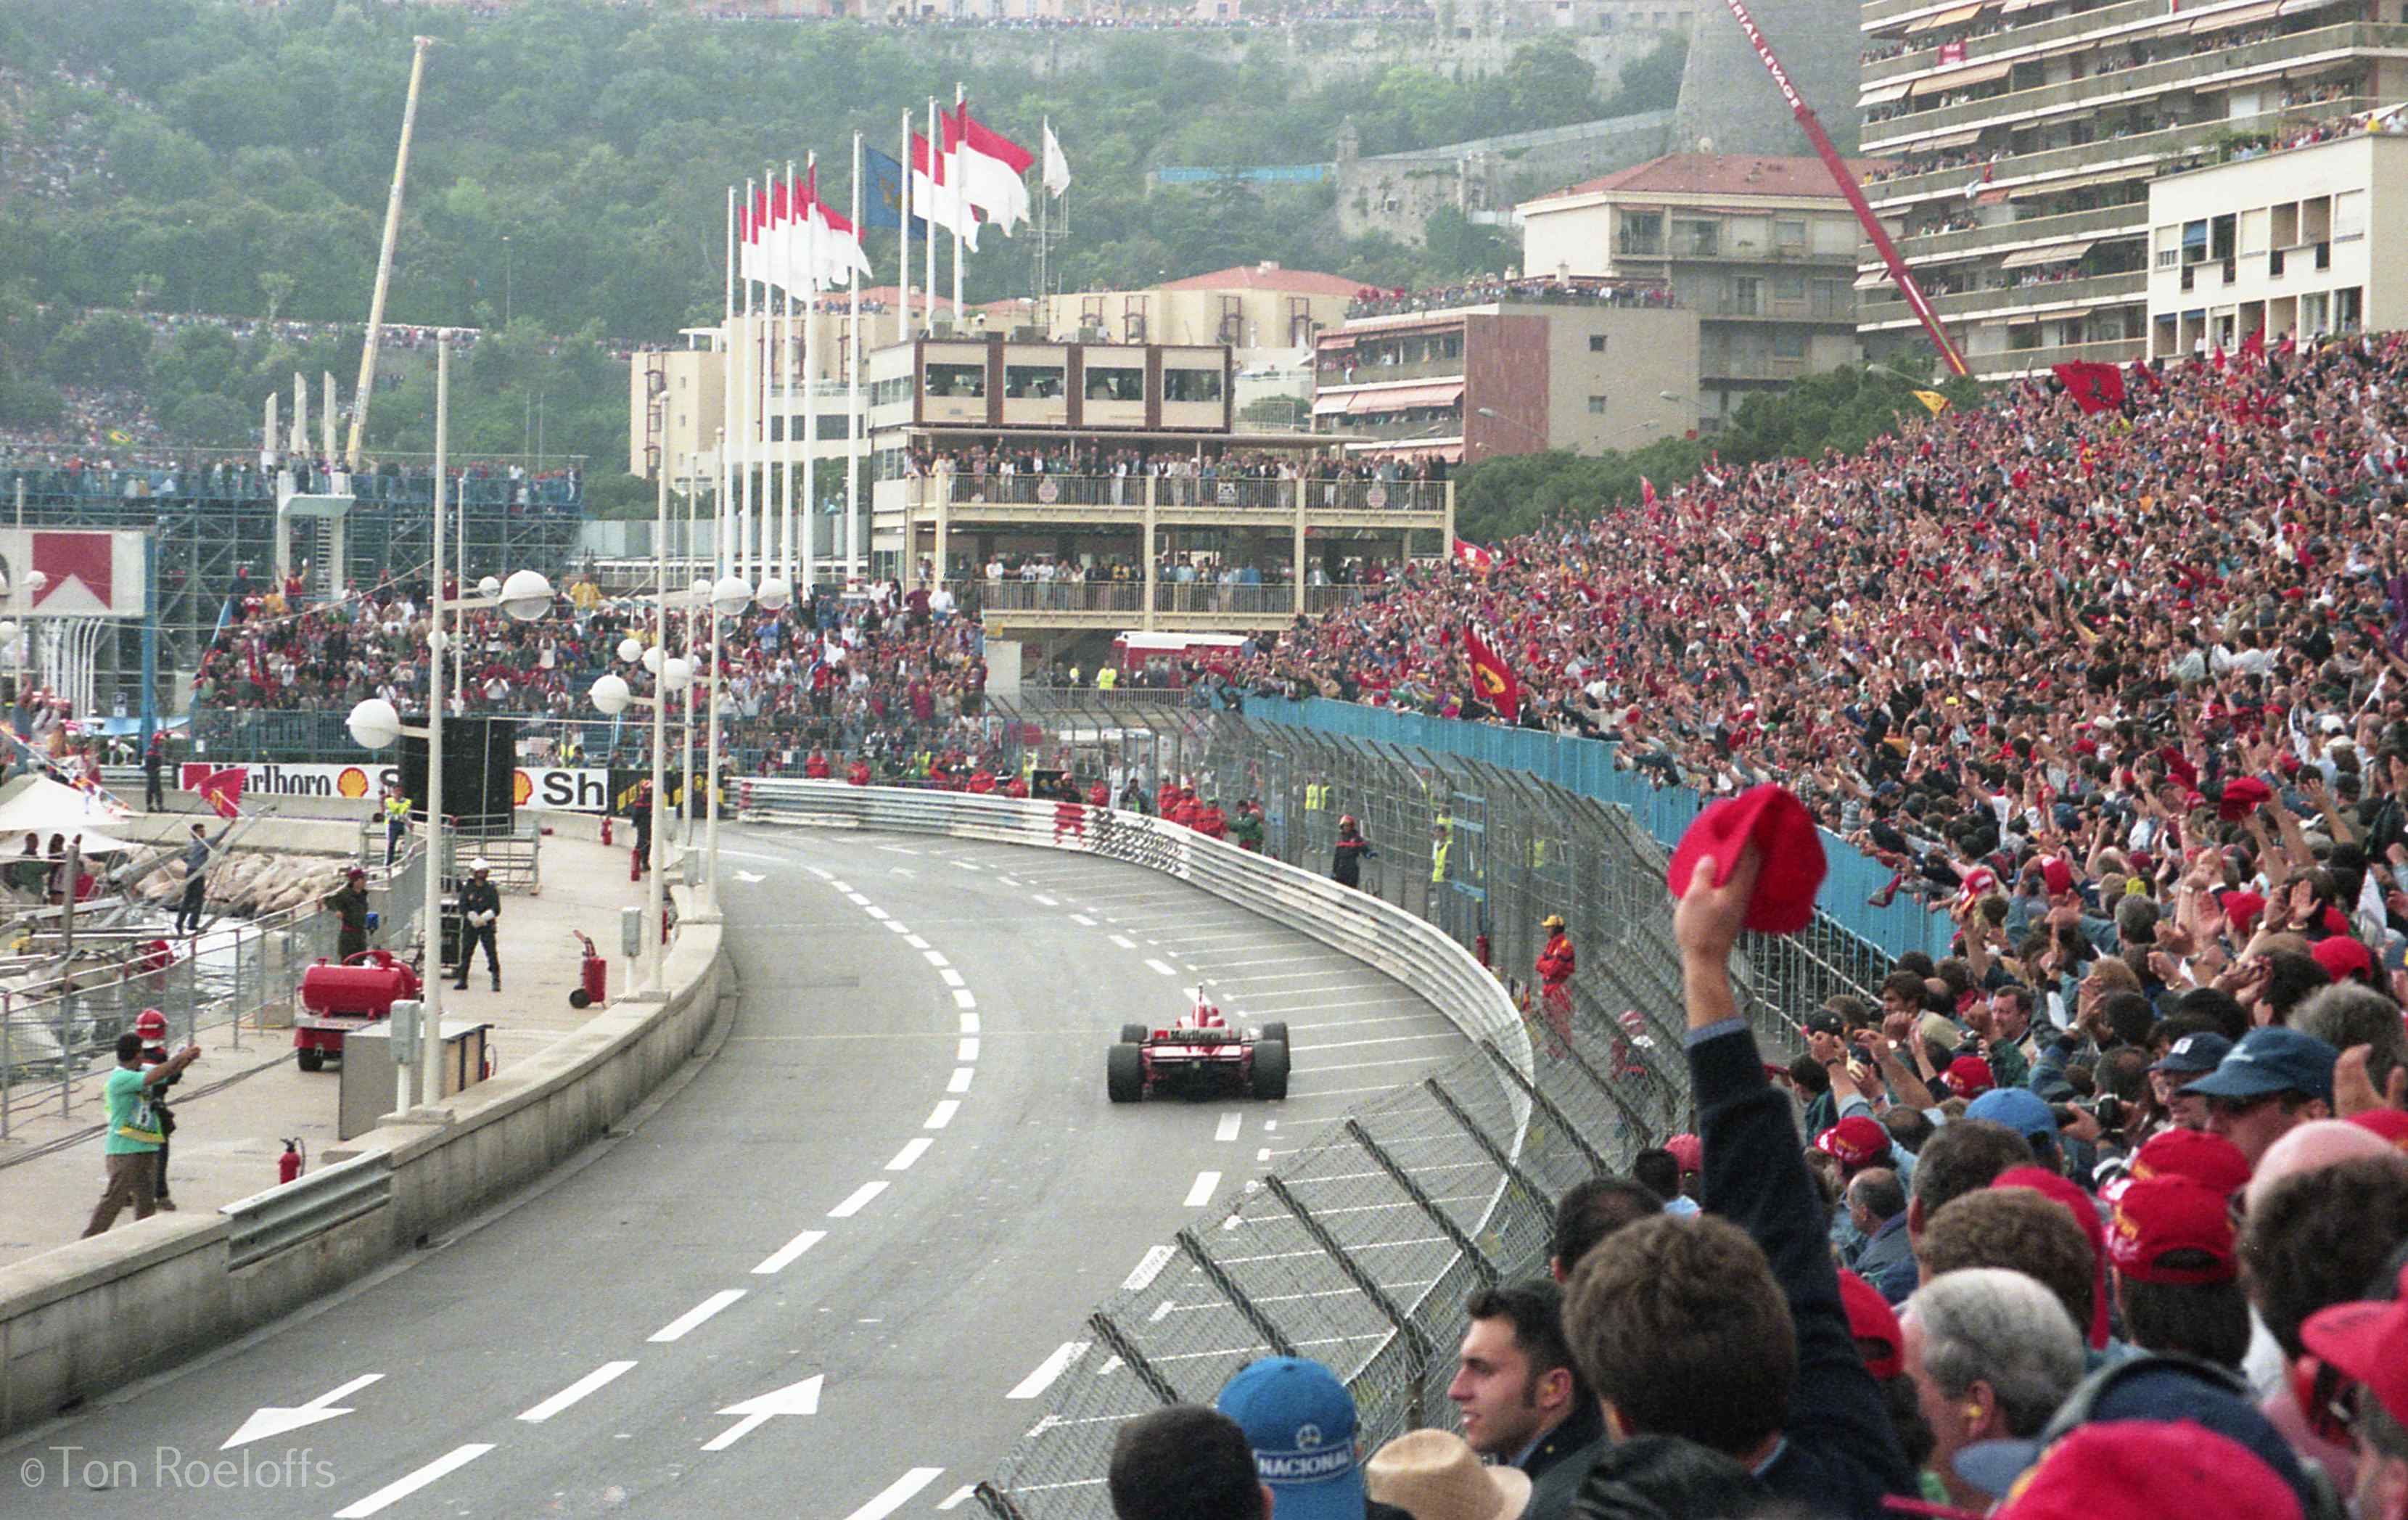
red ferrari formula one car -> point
(1199, 1056)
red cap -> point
(1871, 1318)
(2369, 1340)
(2145, 1470)
(1855, 1141)
(2201, 1156)
(2085, 1213)
(2157, 1216)
(2057, 874)
(2389, 1124)
(1689, 1151)
(1969, 1077)
(2243, 795)
(1778, 824)
(2342, 956)
(2241, 911)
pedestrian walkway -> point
(245, 1096)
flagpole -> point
(903, 271)
(743, 398)
(810, 364)
(852, 375)
(1044, 317)
(772, 564)
(928, 279)
(961, 214)
(726, 390)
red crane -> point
(1848, 187)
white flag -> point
(1058, 168)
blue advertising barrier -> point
(1586, 766)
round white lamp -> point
(611, 696)
(775, 595)
(488, 587)
(652, 658)
(730, 595)
(677, 675)
(374, 723)
(526, 595)
(630, 650)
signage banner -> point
(535, 788)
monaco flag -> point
(990, 166)
(933, 197)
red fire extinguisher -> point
(1480, 948)
(606, 830)
(289, 1165)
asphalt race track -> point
(831, 1275)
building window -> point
(1642, 234)
(1789, 237)
(1789, 287)
(1040, 382)
(1697, 238)
(1597, 406)
(1115, 385)
(1596, 342)
(1191, 385)
(1789, 344)
(960, 380)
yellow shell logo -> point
(352, 782)
(522, 788)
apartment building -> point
(1763, 249)
(2280, 244)
(2026, 133)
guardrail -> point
(263, 1224)
(1360, 1249)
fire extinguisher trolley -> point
(336, 999)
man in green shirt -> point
(132, 1148)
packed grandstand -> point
(2119, 687)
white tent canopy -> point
(38, 805)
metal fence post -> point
(1545, 1105)
(1422, 1200)
(1404, 1324)
(1239, 1299)
(1488, 1146)
(996, 1503)
(1122, 1347)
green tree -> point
(104, 348)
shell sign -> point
(352, 782)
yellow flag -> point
(1932, 399)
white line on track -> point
(858, 1201)
(969, 1049)
(1230, 1125)
(913, 1150)
(1358, 1066)
(1273, 999)
(1149, 1267)
(962, 998)
(1166, 970)
(1319, 1045)
(1008, 880)
(824, 875)
(898, 926)
(958, 1497)
(961, 1082)
(897, 850)
(786, 1255)
(970, 1024)
(916, 942)
(943, 1114)
(1349, 1024)
(950, 977)
(1082, 921)
(1049, 1370)
(1295, 976)
(842, 887)
(1124, 941)
(679, 1327)
(1343, 1092)
(896, 1494)
(857, 899)
(401, 1488)
(967, 866)
(936, 957)
(1202, 1193)
(878, 912)
(599, 1377)
(1041, 900)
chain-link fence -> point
(1360, 1249)
(59, 1017)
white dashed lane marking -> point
(943, 1114)
(913, 1150)
(785, 1256)
(858, 1201)
(1201, 1193)
(599, 1377)
(1049, 1370)
(677, 1329)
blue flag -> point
(883, 192)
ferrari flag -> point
(1493, 678)
(1473, 557)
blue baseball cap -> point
(1299, 1419)
(2272, 1060)
(2019, 1109)
(2194, 1054)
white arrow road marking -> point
(795, 1399)
(274, 1420)
(748, 878)
(392, 1493)
(898, 1493)
(1049, 1369)
(601, 1376)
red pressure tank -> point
(351, 995)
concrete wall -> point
(98, 1313)
(1395, 194)
(1729, 99)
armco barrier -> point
(1361, 1248)
(95, 1314)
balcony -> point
(2038, 361)
(2071, 96)
(2131, 217)
(1338, 379)
(2017, 41)
(1124, 499)
(1775, 310)
(1718, 368)
(2128, 286)
(1119, 603)
(2143, 151)
(1433, 432)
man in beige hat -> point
(1435, 1475)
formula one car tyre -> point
(1276, 1031)
(1124, 1072)
(1271, 1068)
(1133, 1034)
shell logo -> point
(352, 782)
(522, 788)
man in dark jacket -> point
(1346, 858)
(1876, 1202)
(480, 914)
(1666, 1478)
(1522, 1401)
(349, 905)
(1729, 1329)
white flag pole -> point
(765, 554)
(811, 367)
(903, 268)
(851, 375)
(961, 215)
(727, 389)
(742, 396)
(928, 279)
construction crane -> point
(1848, 187)
(384, 260)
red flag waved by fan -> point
(2094, 387)
(1493, 678)
(1474, 557)
(222, 791)
(1647, 492)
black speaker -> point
(480, 766)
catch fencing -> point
(59, 1024)
(1360, 1247)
